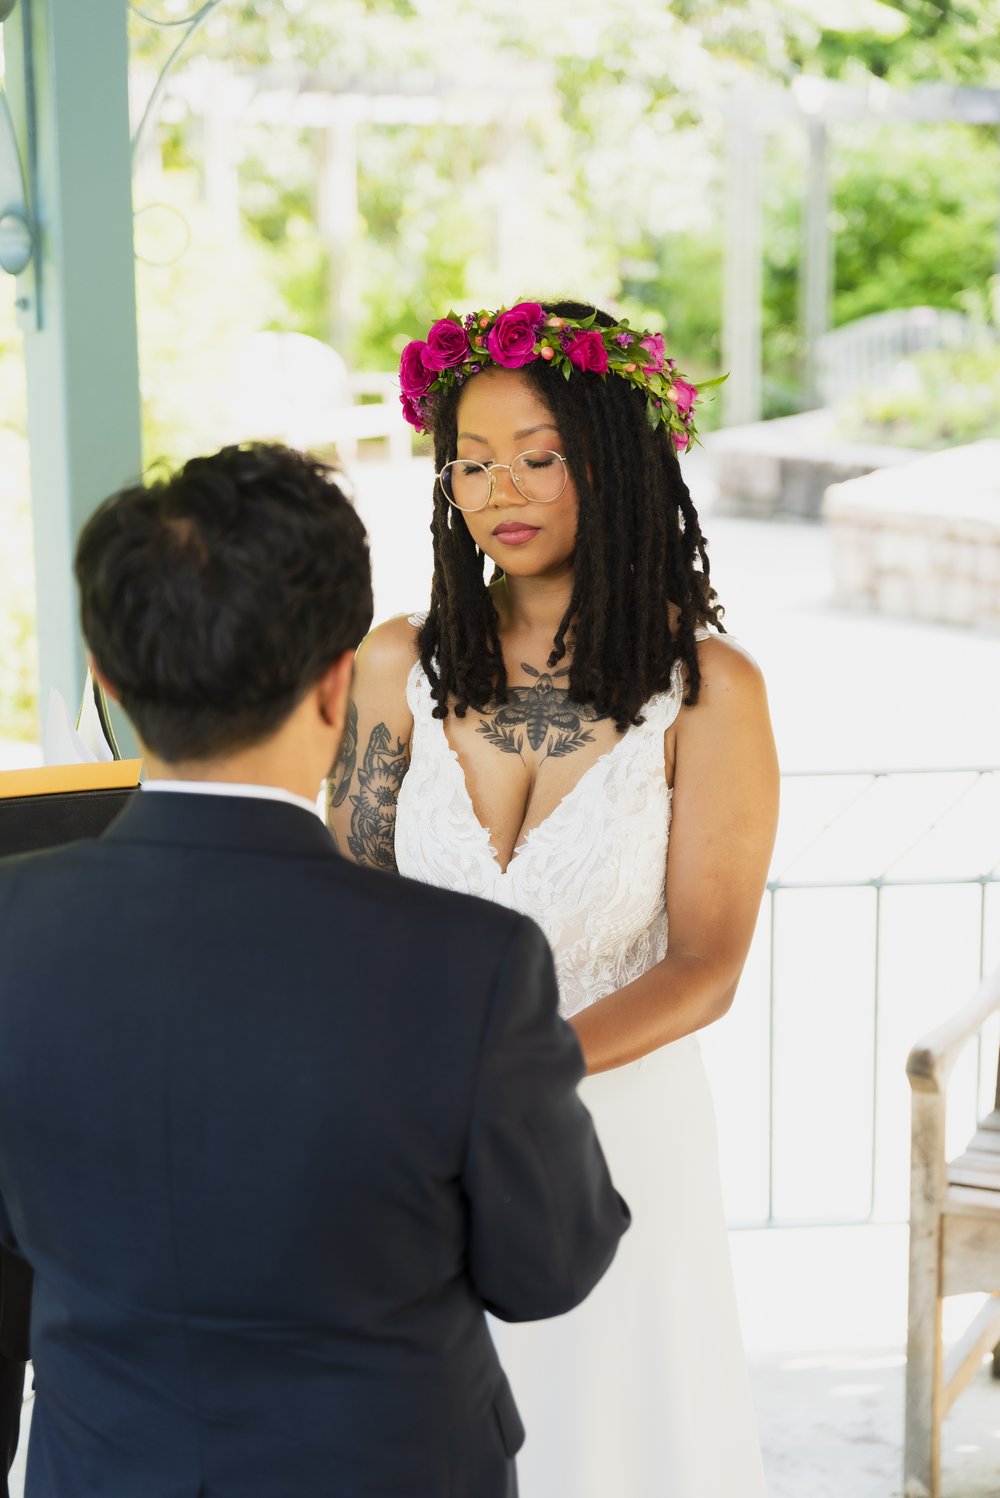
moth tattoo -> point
(544, 714)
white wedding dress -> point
(643, 1391)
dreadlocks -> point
(639, 548)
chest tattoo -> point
(544, 714)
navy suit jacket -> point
(274, 1130)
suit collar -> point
(236, 823)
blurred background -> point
(805, 193)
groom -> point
(274, 1129)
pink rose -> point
(585, 350)
(412, 412)
(416, 374)
(654, 346)
(447, 345)
(681, 440)
(686, 395)
(511, 340)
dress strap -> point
(418, 694)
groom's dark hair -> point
(213, 599)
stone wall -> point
(922, 540)
(784, 467)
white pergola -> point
(333, 106)
(817, 106)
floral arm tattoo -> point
(339, 780)
(373, 818)
(373, 805)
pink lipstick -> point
(515, 532)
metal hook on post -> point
(17, 235)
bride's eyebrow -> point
(545, 426)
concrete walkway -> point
(824, 1318)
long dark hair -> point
(639, 549)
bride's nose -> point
(505, 491)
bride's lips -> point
(515, 532)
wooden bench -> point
(954, 1242)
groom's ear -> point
(99, 676)
(334, 690)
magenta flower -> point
(686, 395)
(623, 339)
(654, 346)
(412, 411)
(416, 375)
(511, 340)
(681, 440)
(447, 345)
(586, 350)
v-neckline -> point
(504, 869)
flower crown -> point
(512, 337)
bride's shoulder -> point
(385, 658)
(730, 676)
(391, 647)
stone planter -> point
(922, 540)
(784, 467)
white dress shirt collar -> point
(229, 788)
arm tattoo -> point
(373, 819)
(547, 716)
(339, 780)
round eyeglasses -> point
(539, 475)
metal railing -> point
(863, 830)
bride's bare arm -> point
(362, 791)
(725, 808)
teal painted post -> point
(67, 80)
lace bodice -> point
(592, 874)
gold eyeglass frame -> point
(492, 468)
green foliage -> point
(937, 399)
(935, 41)
(616, 125)
(914, 214)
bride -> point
(535, 741)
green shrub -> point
(936, 399)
